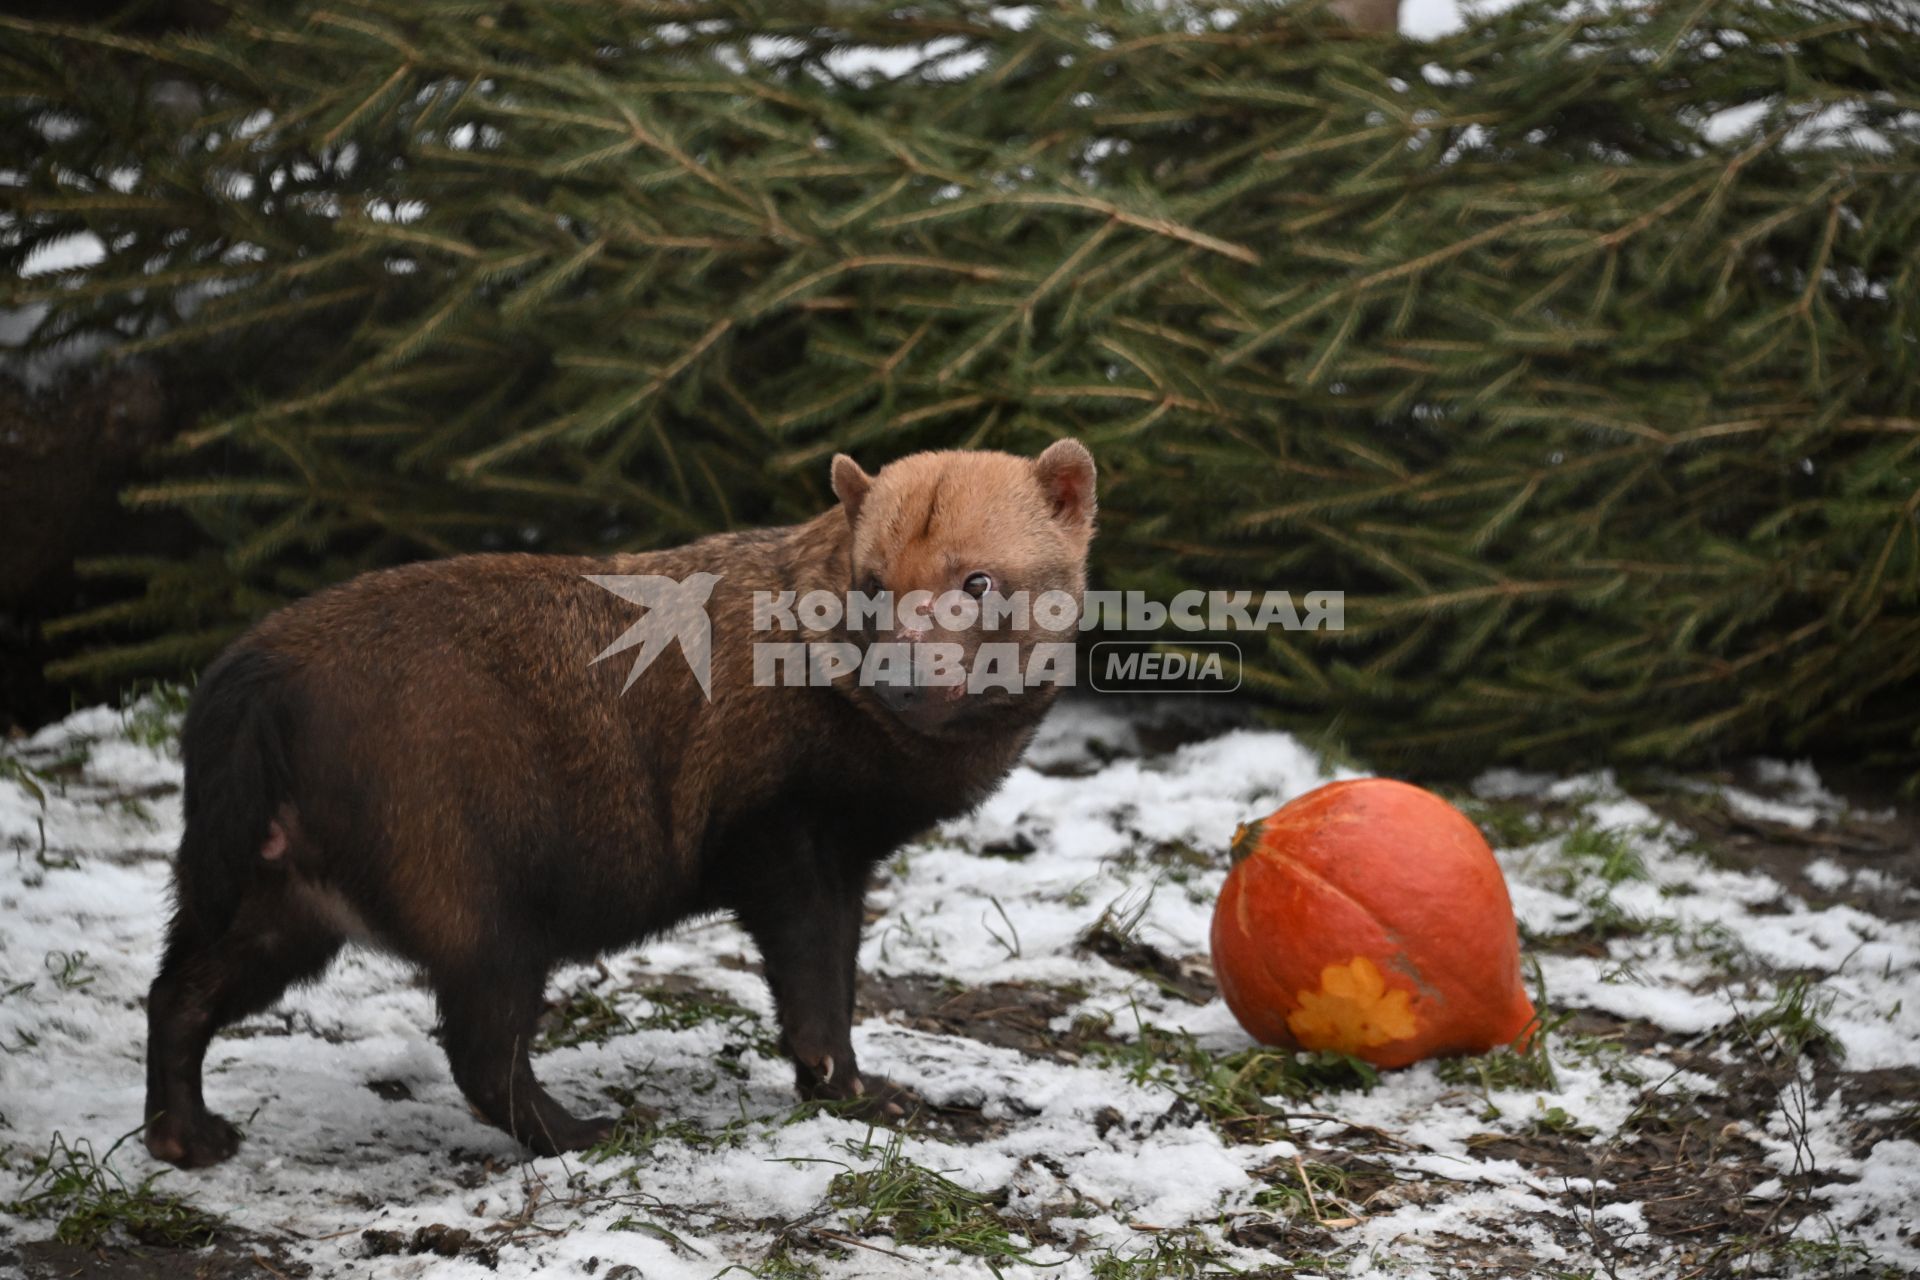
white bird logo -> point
(676, 611)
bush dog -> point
(430, 759)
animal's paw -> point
(865, 1097)
(572, 1134)
(191, 1141)
(885, 1100)
(592, 1131)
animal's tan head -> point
(1009, 534)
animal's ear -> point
(1066, 475)
(850, 485)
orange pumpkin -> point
(1369, 917)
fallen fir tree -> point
(1581, 349)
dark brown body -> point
(429, 759)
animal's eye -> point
(977, 584)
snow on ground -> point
(1038, 971)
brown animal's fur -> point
(429, 758)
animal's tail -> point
(236, 744)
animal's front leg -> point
(806, 919)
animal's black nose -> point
(897, 697)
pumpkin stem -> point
(1245, 837)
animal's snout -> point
(899, 696)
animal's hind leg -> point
(489, 1011)
(207, 981)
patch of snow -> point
(1763, 809)
(1432, 19)
(1826, 874)
(81, 249)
